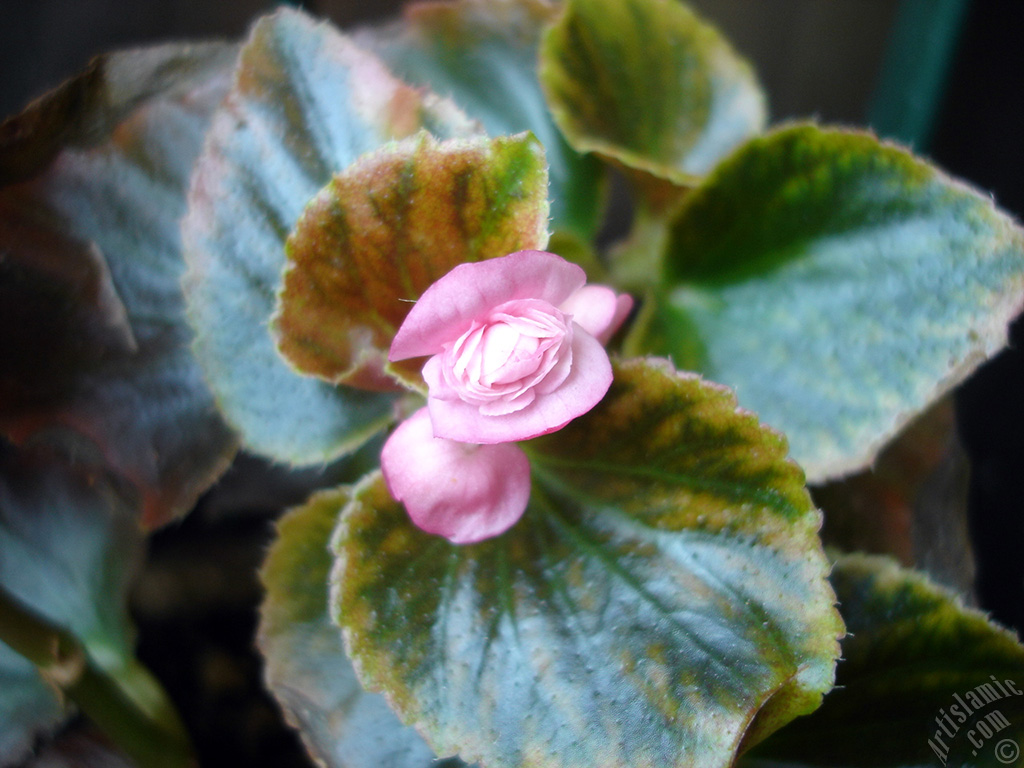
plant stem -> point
(151, 734)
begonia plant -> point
(594, 536)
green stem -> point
(637, 262)
(151, 735)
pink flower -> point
(515, 344)
(461, 491)
(516, 351)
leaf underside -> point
(91, 310)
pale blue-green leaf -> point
(80, 746)
(484, 55)
(662, 602)
(307, 668)
(69, 545)
(839, 284)
(305, 103)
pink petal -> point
(623, 306)
(587, 383)
(448, 307)
(598, 310)
(433, 375)
(465, 493)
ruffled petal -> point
(589, 379)
(466, 493)
(448, 307)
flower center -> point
(521, 349)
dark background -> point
(815, 58)
(195, 603)
(979, 135)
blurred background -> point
(815, 58)
(945, 76)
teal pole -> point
(914, 70)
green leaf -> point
(304, 105)
(650, 85)
(914, 657)
(306, 666)
(91, 312)
(663, 601)
(483, 54)
(69, 547)
(839, 284)
(389, 226)
(29, 708)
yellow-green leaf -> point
(650, 85)
(923, 680)
(306, 665)
(387, 227)
(663, 602)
